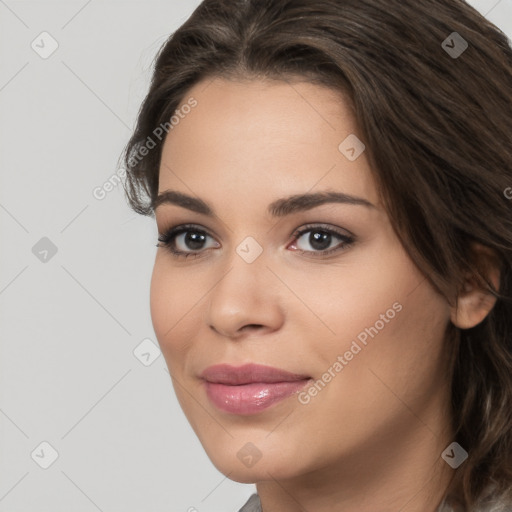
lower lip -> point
(251, 398)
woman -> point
(372, 372)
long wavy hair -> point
(437, 126)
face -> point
(320, 288)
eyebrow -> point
(278, 208)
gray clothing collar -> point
(253, 504)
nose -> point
(246, 300)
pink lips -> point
(250, 388)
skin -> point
(371, 439)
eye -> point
(188, 240)
(185, 240)
(320, 240)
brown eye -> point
(185, 240)
(321, 240)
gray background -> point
(70, 321)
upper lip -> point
(248, 373)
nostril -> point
(252, 326)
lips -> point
(251, 388)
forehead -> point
(263, 137)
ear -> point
(474, 300)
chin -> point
(268, 463)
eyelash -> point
(167, 239)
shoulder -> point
(252, 504)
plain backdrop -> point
(88, 417)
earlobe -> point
(474, 301)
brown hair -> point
(438, 133)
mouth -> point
(251, 388)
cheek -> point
(160, 300)
(400, 354)
(367, 290)
(171, 304)
(383, 311)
